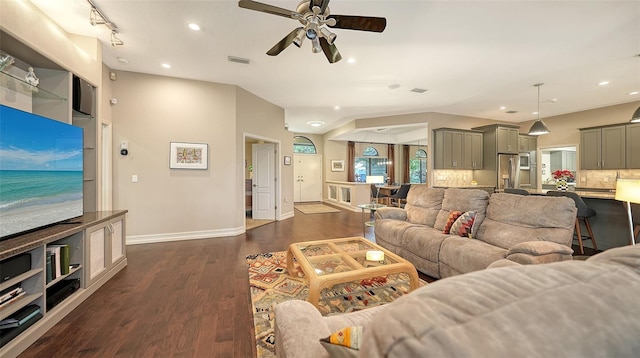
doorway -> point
(262, 191)
(307, 181)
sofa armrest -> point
(538, 252)
(391, 213)
(299, 326)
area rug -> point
(254, 223)
(270, 284)
(315, 209)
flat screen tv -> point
(40, 172)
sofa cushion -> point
(421, 246)
(389, 234)
(423, 204)
(521, 311)
(464, 224)
(460, 255)
(462, 200)
(512, 219)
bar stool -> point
(516, 191)
(584, 213)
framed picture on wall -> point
(337, 165)
(188, 155)
(287, 160)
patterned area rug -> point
(270, 284)
(315, 209)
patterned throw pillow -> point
(463, 225)
(453, 215)
(343, 343)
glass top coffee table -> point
(329, 262)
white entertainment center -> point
(96, 240)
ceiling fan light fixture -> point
(311, 34)
(299, 38)
(538, 127)
(330, 36)
(316, 45)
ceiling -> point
(472, 57)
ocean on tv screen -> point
(41, 173)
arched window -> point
(303, 145)
(370, 163)
(370, 152)
(418, 167)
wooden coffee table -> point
(329, 262)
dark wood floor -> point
(183, 299)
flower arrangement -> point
(562, 174)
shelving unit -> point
(77, 236)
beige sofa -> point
(524, 229)
(564, 309)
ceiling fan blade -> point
(331, 51)
(269, 9)
(362, 23)
(284, 43)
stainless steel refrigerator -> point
(508, 171)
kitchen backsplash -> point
(605, 179)
(601, 179)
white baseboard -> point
(179, 236)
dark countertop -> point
(30, 240)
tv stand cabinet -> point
(97, 252)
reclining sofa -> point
(447, 232)
(563, 309)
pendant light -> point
(538, 127)
(635, 118)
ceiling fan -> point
(313, 15)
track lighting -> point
(95, 18)
(635, 118)
(115, 41)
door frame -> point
(278, 171)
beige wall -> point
(153, 111)
(258, 118)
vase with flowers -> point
(562, 178)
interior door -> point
(263, 202)
(308, 178)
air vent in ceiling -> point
(419, 90)
(511, 112)
(245, 61)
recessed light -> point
(122, 60)
(315, 123)
(633, 93)
(337, 108)
(394, 86)
(603, 83)
(534, 113)
(351, 60)
(419, 90)
(166, 65)
(503, 107)
(193, 26)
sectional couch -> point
(563, 309)
(524, 229)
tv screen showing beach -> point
(40, 171)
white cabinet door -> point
(307, 177)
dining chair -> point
(400, 195)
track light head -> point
(115, 41)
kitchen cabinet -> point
(603, 147)
(507, 140)
(472, 154)
(527, 143)
(457, 149)
(563, 160)
(633, 146)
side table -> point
(372, 209)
